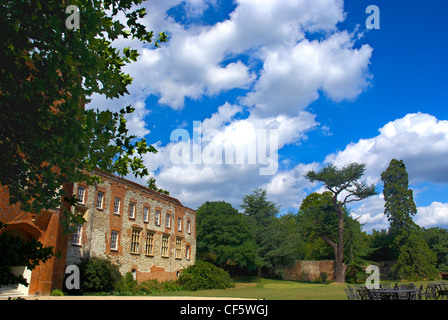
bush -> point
(57, 292)
(98, 275)
(204, 275)
(151, 286)
(323, 277)
(127, 286)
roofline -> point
(139, 186)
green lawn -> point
(260, 288)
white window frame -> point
(187, 252)
(132, 212)
(188, 226)
(114, 240)
(157, 217)
(145, 214)
(117, 205)
(179, 224)
(99, 200)
(83, 194)
(168, 220)
(77, 236)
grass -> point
(269, 289)
(261, 288)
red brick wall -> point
(46, 228)
(310, 270)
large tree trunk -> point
(339, 255)
(340, 270)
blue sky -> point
(310, 69)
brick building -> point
(144, 232)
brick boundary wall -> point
(310, 270)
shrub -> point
(171, 286)
(57, 292)
(127, 286)
(98, 275)
(151, 286)
(204, 275)
(323, 277)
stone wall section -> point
(310, 270)
(96, 232)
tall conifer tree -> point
(415, 258)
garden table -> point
(394, 294)
(400, 294)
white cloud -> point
(370, 212)
(433, 215)
(203, 60)
(292, 78)
(290, 187)
(206, 60)
(420, 140)
(198, 179)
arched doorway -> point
(25, 232)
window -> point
(132, 210)
(76, 236)
(157, 218)
(135, 240)
(149, 243)
(188, 226)
(81, 192)
(145, 214)
(179, 224)
(178, 249)
(187, 252)
(165, 245)
(168, 220)
(99, 200)
(114, 240)
(117, 206)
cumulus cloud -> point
(290, 187)
(433, 215)
(292, 78)
(370, 213)
(263, 49)
(419, 139)
(225, 158)
(206, 60)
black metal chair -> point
(363, 293)
(431, 291)
(351, 293)
(442, 290)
